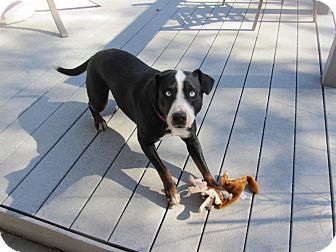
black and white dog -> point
(160, 103)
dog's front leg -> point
(165, 175)
(195, 151)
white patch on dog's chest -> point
(183, 133)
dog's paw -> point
(172, 194)
(101, 126)
(174, 199)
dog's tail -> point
(73, 71)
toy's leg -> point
(206, 204)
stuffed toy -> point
(218, 198)
(210, 195)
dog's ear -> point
(154, 87)
(206, 81)
(159, 76)
(157, 80)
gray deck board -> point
(326, 28)
(272, 208)
(311, 192)
(64, 185)
(241, 157)
(185, 219)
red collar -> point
(162, 117)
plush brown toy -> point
(211, 195)
(236, 187)
(215, 197)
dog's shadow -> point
(137, 161)
(125, 174)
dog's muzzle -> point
(179, 119)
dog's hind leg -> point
(98, 92)
(99, 121)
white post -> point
(329, 71)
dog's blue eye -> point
(192, 94)
(168, 93)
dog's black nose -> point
(179, 119)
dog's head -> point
(180, 96)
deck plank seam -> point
(332, 193)
(313, 46)
(235, 116)
(52, 87)
(200, 29)
(213, 8)
(264, 123)
(295, 124)
(242, 91)
(237, 109)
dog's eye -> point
(192, 94)
(168, 93)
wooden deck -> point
(63, 184)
